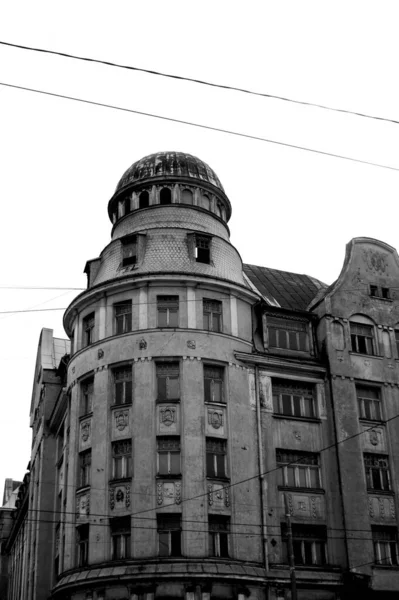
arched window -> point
(165, 196)
(187, 197)
(218, 209)
(362, 335)
(127, 205)
(144, 200)
(205, 202)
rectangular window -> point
(122, 459)
(123, 385)
(397, 341)
(213, 384)
(168, 382)
(169, 535)
(385, 540)
(294, 399)
(212, 314)
(129, 250)
(309, 543)
(123, 317)
(86, 397)
(84, 468)
(120, 538)
(168, 311)
(88, 330)
(203, 249)
(219, 528)
(377, 472)
(369, 402)
(379, 292)
(168, 456)
(215, 458)
(287, 334)
(362, 339)
(82, 543)
(298, 469)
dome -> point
(168, 164)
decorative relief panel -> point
(265, 392)
(119, 497)
(374, 439)
(382, 508)
(121, 423)
(168, 419)
(168, 492)
(85, 434)
(218, 495)
(215, 421)
(82, 507)
(305, 506)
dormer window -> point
(287, 334)
(203, 249)
(129, 250)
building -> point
(210, 410)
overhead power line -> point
(198, 81)
(199, 125)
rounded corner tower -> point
(158, 404)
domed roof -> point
(169, 164)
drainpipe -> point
(262, 479)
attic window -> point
(380, 292)
(287, 334)
(129, 250)
(203, 249)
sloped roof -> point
(289, 290)
(51, 355)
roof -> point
(289, 290)
(59, 348)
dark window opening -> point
(165, 196)
(86, 400)
(298, 469)
(129, 250)
(380, 292)
(385, 540)
(374, 290)
(377, 472)
(88, 330)
(215, 458)
(202, 249)
(84, 468)
(309, 543)
(287, 334)
(120, 538)
(144, 200)
(219, 528)
(369, 403)
(385, 293)
(362, 338)
(126, 205)
(169, 535)
(82, 545)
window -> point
(219, 528)
(203, 249)
(309, 543)
(82, 543)
(212, 312)
(120, 538)
(86, 398)
(293, 399)
(287, 333)
(377, 472)
(385, 540)
(187, 197)
(123, 317)
(362, 339)
(84, 468)
(123, 385)
(368, 399)
(144, 200)
(88, 330)
(168, 382)
(215, 458)
(168, 456)
(298, 469)
(165, 196)
(168, 311)
(374, 290)
(397, 340)
(126, 205)
(169, 535)
(122, 459)
(213, 384)
(380, 292)
(129, 250)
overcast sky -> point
(61, 160)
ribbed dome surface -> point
(169, 164)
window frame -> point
(212, 309)
(368, 404)
(82, 545)
(296, 467)
(214, 448)
(123, 318)
(122, 384)
(218, 536)
(168, 304)
(86, 399)
(385, 546)
(361, 341)
(167, 371)
(84, 474)
(120, 532)
(202, 248)
(280, 328)
(88, 325)
(294, 390)
(122, 461)
(172, 447)
(375, 472)
(172, 536)
(211, 387)
(305, 539)
(129, 250)
(145, 200)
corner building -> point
(160, 419)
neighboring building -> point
(10, 495)
(210, 408)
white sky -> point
(61, 160)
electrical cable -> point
(198, 81)
(207, 127)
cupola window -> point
(165, 196)
(144, 200)
(187, 197)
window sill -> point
(379, 492)
(218, 478)
(83, 488)
(325, 567)
(365, 355)
(377, 566)
(168, 476)
(293, 418)
(82, 417)
(284, 488)
(120, 480)
(168, 401)
(122, 405)
(375, 422)
(213, 402)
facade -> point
(210, 411)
